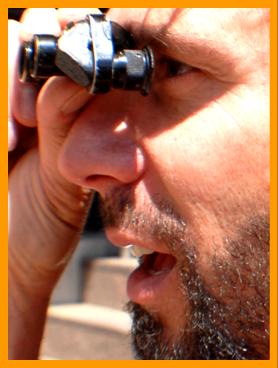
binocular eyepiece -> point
(95, 53)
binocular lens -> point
(93, 53)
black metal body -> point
(96, 53)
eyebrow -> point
(164, 36)
(174, 37)
(157, 35)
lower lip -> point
(144, 287)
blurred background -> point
(86, 319)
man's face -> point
(184, 173)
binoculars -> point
(96, 53)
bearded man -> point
(183, 176)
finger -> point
(24, 95)
(12, 135)
(13, 31)
(59, 101)
(39, 21)
(66, 15)
(60, 98)
(58, 105)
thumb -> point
(58, 105)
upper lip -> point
(122, 239)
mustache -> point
(158, 218)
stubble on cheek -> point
(157, 218)
(228, 305)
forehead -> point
(151, 23)
(194, 35)
(148, 24)
(176, 32)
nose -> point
(101, 150)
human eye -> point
(170, 68)
(175, 79)
(175, 68)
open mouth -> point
(157, 263)
(151, 278)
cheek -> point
(204, 164)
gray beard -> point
(230, 323)
(209, 335)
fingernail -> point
(27, 102)
(74, 14)
(76, 101)
(78, 11)
(12, 135)
(39, 21)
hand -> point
(53, 209)
(46, 213)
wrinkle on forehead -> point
(157, 23)
(175, 32)
(148, 24)
(216, 41)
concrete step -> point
(86, 332)
(105, 281)
(70, 286)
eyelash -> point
(170, 68)
(176, 68)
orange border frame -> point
(4, 189)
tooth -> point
(139, 251)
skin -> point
(200, 141)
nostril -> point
(94, 178)
(100, 183)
